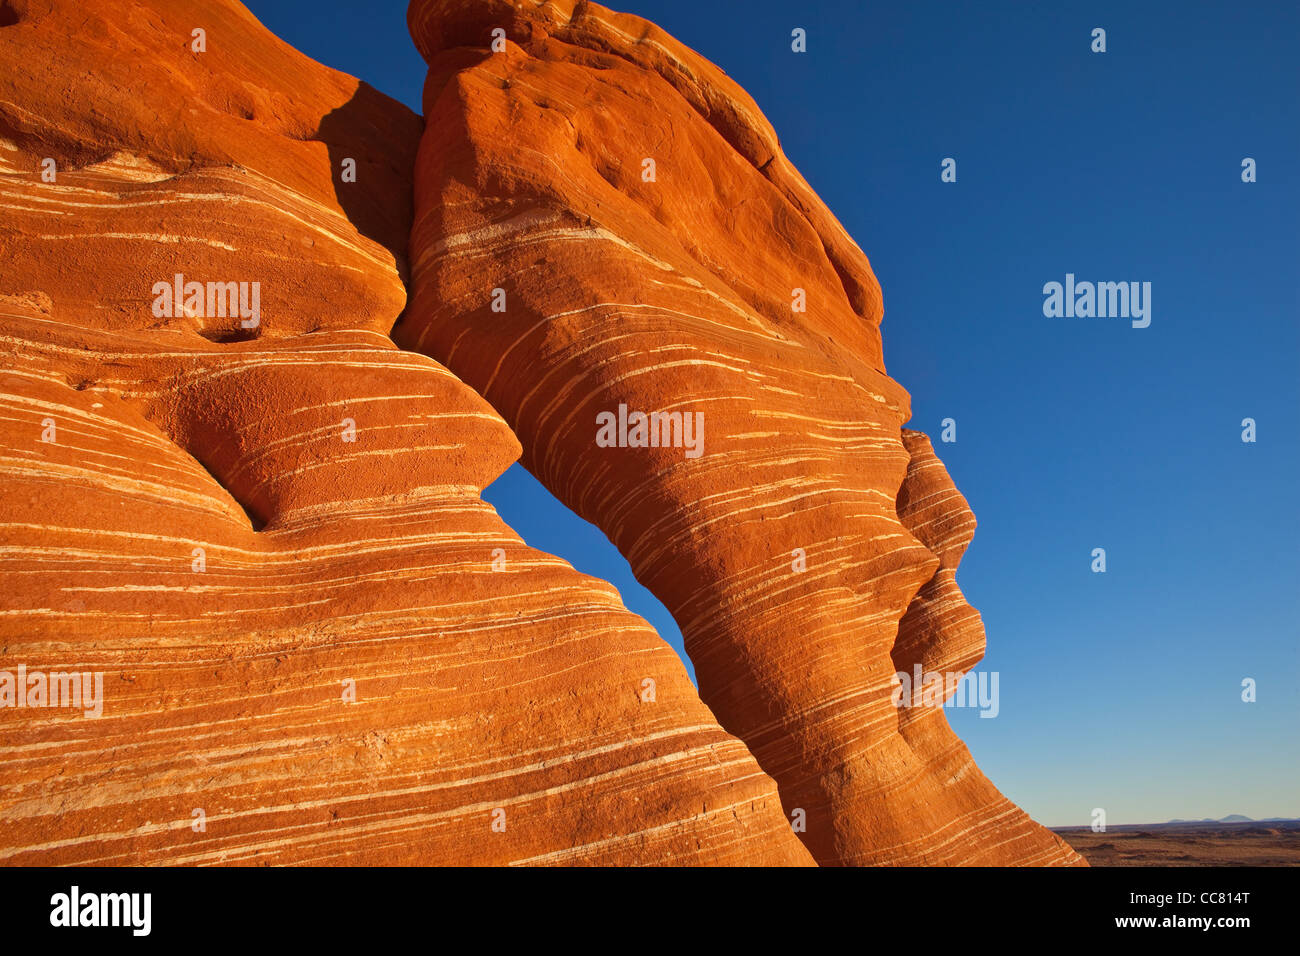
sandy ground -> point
(1189, 844)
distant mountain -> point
(1230, 818)
(1204, 821)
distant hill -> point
(1230, 818)
(1233, 841)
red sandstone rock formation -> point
(604, 219)
(245, 523)
(317, 643)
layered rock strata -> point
(254, 525)
(611, 248)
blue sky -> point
(1119, 690)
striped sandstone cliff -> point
(264, 531)
(317, 643)
(605, 222)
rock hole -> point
(545, 523)
(226, 336)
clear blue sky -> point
(1118, 690)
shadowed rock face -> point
(222, 164)
(245, 536)
(809, 552)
